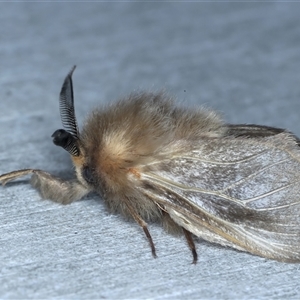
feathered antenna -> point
(67, 139)
(66, 105)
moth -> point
(150, 160)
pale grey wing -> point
(238, 192)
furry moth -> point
(235, 185)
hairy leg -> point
(49, 186)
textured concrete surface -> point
(242, 59)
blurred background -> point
(241, 59)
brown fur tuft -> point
(119, 139)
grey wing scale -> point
(237, 192)
(252, 130)
(255, 131)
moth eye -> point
(88, 174)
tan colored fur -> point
(119, 139)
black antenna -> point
(66, 106)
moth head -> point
(69, 138)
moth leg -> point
(191, 244)
(143, 224)
(49, 186)
(7, 177)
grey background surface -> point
(242, 59)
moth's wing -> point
(237, 192)
(254, 131)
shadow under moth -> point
(235, 185)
